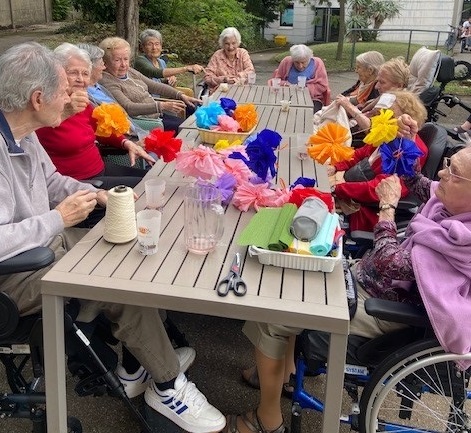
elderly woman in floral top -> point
(431, 267)
(230, 64)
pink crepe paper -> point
(279, 198)
(201, 162)
(227, 123)
(238, 169)
(249, 195)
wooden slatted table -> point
(174, 279)
(265, 95)
(297, 119)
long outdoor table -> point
(174, 279)
(265, 95)
(297, 119)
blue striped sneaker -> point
(186, 406)
(135, 384)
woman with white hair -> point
(150, 64)
(230, 64)
(302, 63)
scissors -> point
(233, 281)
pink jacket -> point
(318, 85)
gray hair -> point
(64, 52)
(149, 33)
(24, 69)
(371, 59)
(300, 52)
(229, 32)
(94, 51)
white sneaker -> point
(186, 406)
(135, 384)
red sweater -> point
(72, 147)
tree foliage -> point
(266, 10)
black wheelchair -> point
(408, 382)
(90, 356)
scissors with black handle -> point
(233, 281)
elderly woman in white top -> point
(230, 64)
(302, 63)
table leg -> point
(54, 363)
(334, 385)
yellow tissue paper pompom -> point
(224, 144)
(383, 128)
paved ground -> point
(218, 363)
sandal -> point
(253, 425)
(250, 377)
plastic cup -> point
(301, 82)
(251, 78)
(223, 87)
(155, 193)
(275, 83)
(148, 231)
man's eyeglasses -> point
(447, 167)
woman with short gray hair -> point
(230, 64)
(151, 64)
(302, 63)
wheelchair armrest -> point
(30, 260)
(398, 312)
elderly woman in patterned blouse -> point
(431, 266)
(230, 64)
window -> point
(286, 17)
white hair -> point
(371, 59)
(149, 33)
(64, 52)
(94, 52)
(300, 52)
(24, 69)
(229, 32)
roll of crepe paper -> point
(309, 219)
(120, 216)
(322, 243)
(300, 247)
(281, 237)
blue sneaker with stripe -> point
(186, 406)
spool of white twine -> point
(120, 216)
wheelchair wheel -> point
(418, 390)
(73, 425)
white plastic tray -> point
(297, 261)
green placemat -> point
(270, 227)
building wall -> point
(14, 13)
(415, 14)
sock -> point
(162, 386)
(130, 363)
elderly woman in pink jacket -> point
(302, 63)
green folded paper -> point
(269, 228)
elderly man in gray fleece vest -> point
(40, 208)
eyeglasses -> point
(447, 167)
(76, 73)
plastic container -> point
(280, 40)
(297, 261)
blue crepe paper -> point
(228, 105)
(208, 116)
(307, 182)
(399, 156)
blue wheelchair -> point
(399, 382)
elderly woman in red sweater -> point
(363, 173)
(72, 145)
(302, 63)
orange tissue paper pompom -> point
(329, 142)
(246, 115)
(111, 119)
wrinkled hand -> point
(76, 207)
(135, 151)
(176, 107)
(343, 101)
(78, 101)
(102, 197)
(331, 170)
(172, 80)
(408, 127)
(191, 102)
(196, 69)
(389, 190)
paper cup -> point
(285, 104)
